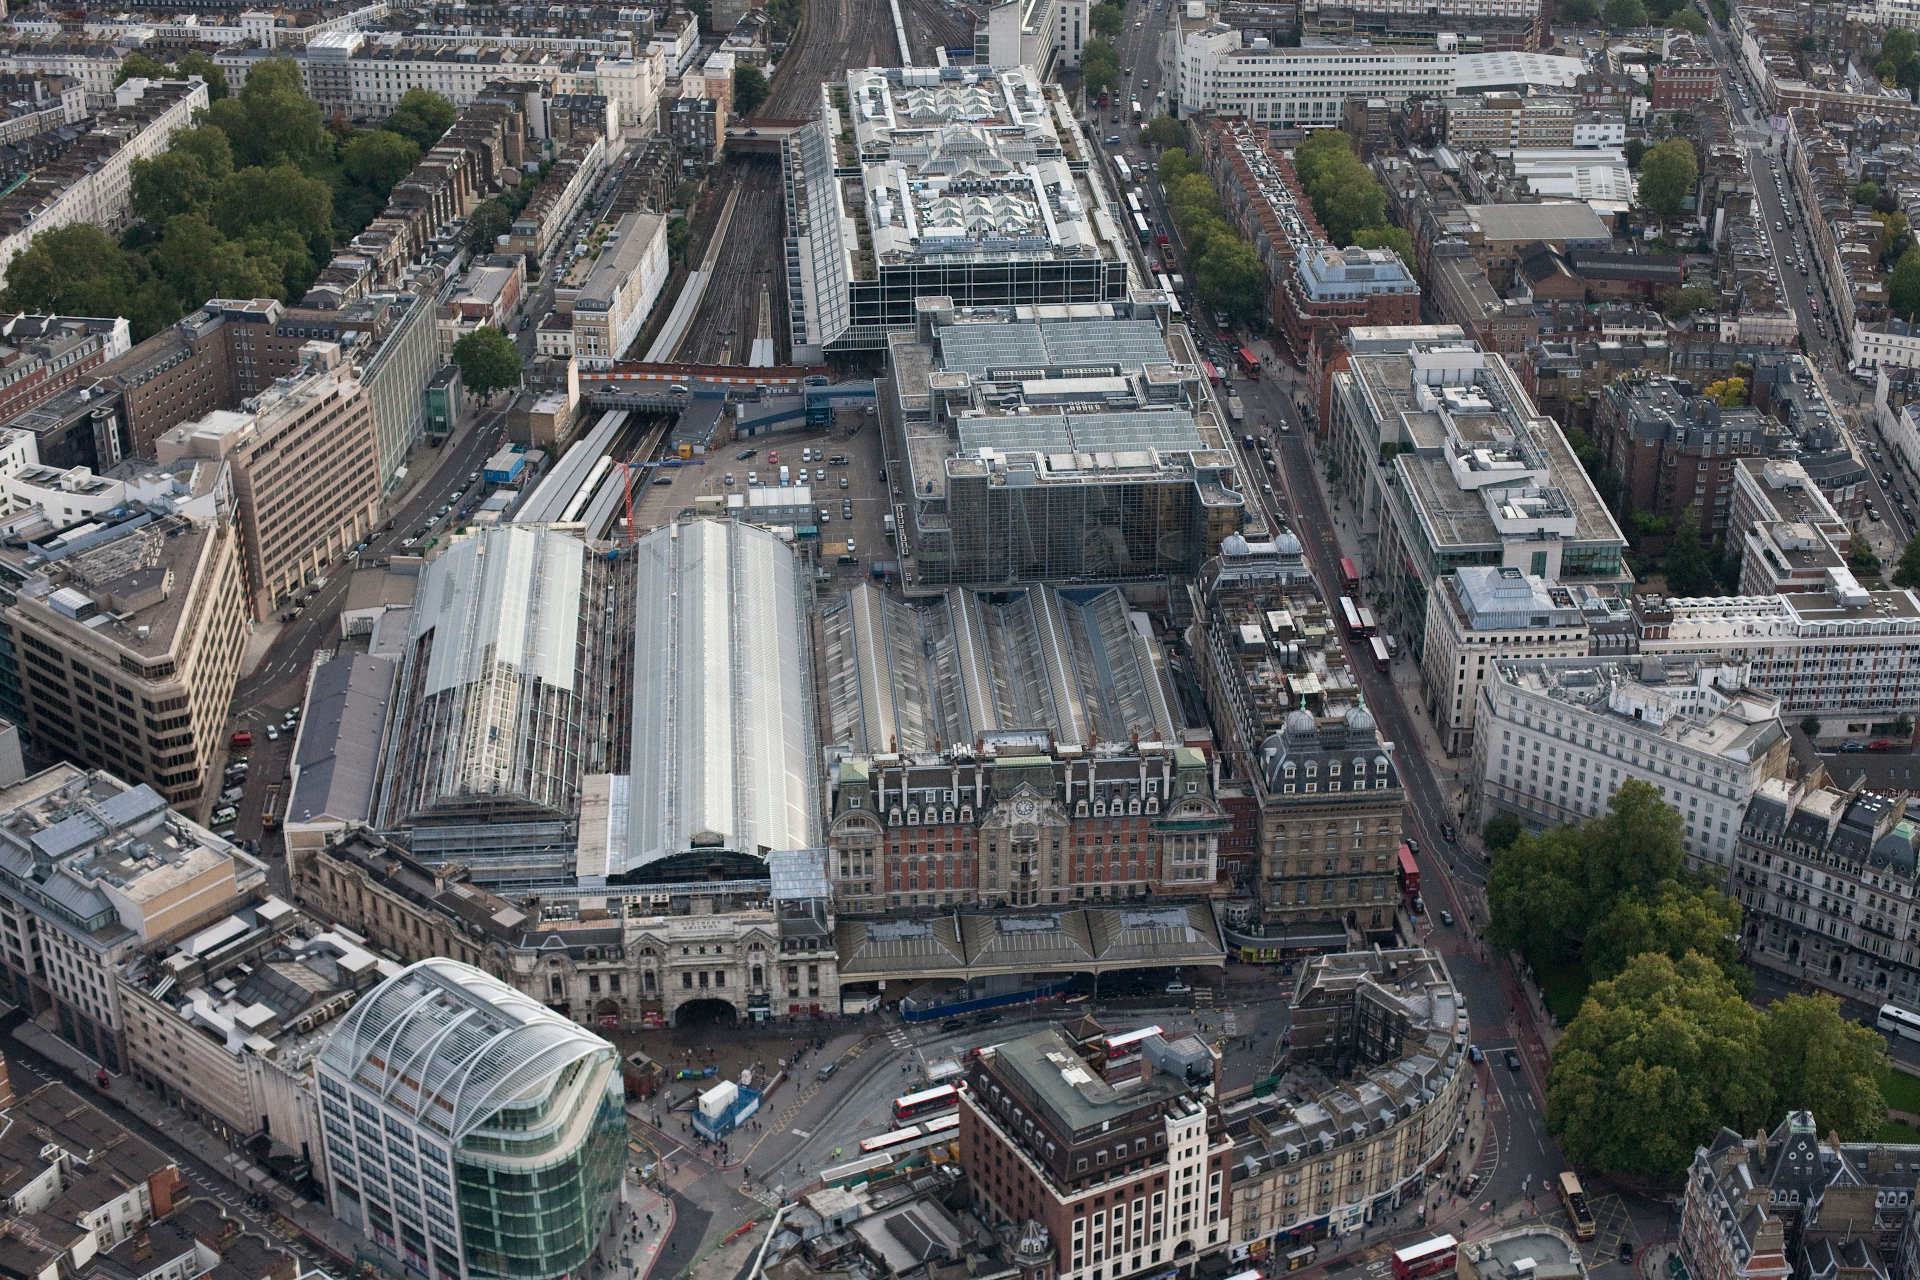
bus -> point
(1350, 618)
(1125, 1047)
(1137, 114)
(1213, 374)
(1121, 167)
(1896, 1021)
(1366, 622)
(1578, 1210)
(1349, 577)
(941, 1124)
(1428, 1258)
(1173, 307)
(887, 1141)
(1409, 874)
(1249, 363)
(1133, 202)
(927, 1102)
(1166, 285)
(1140, 229)
(1381, 658)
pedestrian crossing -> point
(899, 1039)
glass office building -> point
(470, 1131)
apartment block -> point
(123, 634)
(41, 356)
(224, 1023)
(306, 476)
(1477, 617)
(1127, 1172)
(1826, 877)
(92, 871)
(1675, 449)
(620, 289)
(1492, 25)
(1555, 738)
(92, 180)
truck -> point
(887, 523)
(786, 474)
(1236, 410)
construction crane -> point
(627, 469)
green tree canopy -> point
(1667, 174)
(1673, 918)
(1635, 151)
(749, 90)
(1625, 13)
(210, 146)
(1827, 1064)
(1907, 572)
(1165, 131)
(421, 115)
(378, 159)
(255, 198)
(1684, 301)
(1106, 20)
(1578, 12)
(196, 63)
(1397, 239)
(171, 183)
(1345, 194)
(1099, 66)
(488, 361)
(271, 120)
(1689, 21)
(1689, 571)
(1866, 192)
(75, 270)
(1903, 285)
(1175, 164)
(1658, 1060)
(1228, 276)
(1501, 831)
(1189, 195)
(143, 66)
(486, 224)
(1728, 393)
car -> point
(472, 476)
(846, 509)
(1178, 988)
(241, 741)
(1413, 846)
(232, 794)
(985, 1019)
(1850, 747)
(753, 477)
(744, 454)
(407, 543)
(225, 813)
(851, 549)
(843, 482)
(1474, 1054)
(1626, 1254)
(820, 475)
(954, 1024)
(663, 479)
(806, 455)
(1512, 1060)
(1880, 744)
(273, 734)
(826, 1072)
(727, 478)
(1873, 515)
(1113, 139)
(826, 516)
(1446, 917)
(1447, 832)
(838, 459)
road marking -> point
(801, 1133)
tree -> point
(1175, 164)
(378, 159)
(1625, 13)
(171, 183)
(1501, 831)
(1667, 174)
(75, 270)
(1907, 572)
(1658, 1060)
(1106, 20)
(1635, 150)
(1689, 21)
(486, 224)
(1683, 302)
(255, 198)
(1689, 572)
(197, 262)
(1810, 725)
(421, 115)
(1099, 67)
(1191, 195)
(1903, 286)
(1535, 896)
(1228, 276)
(1728, 393)
(210, 146)
(1165, 131)
(488, 361)
(143, 66)
(1395, 238)
(749, 90)
(272, 120)
(1826, 1064)
(199, 64)
(1866, 193)
(679, 235)
(1578, 12)
(1673, 919)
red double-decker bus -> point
(1409, 875)
(1428, 1258)
(1249, 363)
(1349, 577)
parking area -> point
(864, 494)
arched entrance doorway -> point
(705, 1012)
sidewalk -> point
(649, 1223)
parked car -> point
(1853, 746)
(1512, 1060)
(241, 741)
(1880, 744)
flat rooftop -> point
(1669, 697)
(1063, 1083)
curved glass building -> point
(471, 1131)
